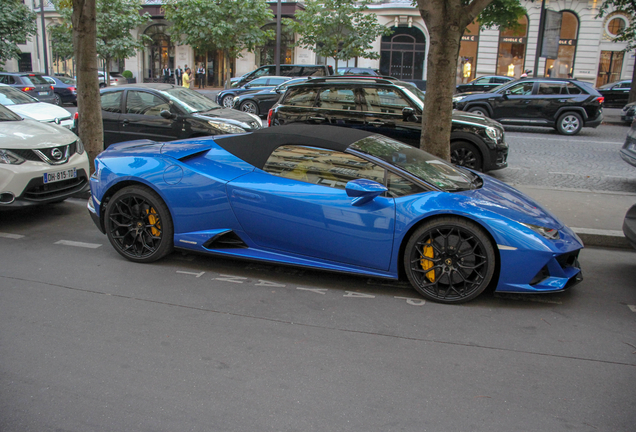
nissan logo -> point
(56, 154)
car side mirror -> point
(247, 86)
(408, 114)
(506, 93)
(167, 114)
(363, 191)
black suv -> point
(564, 104)
(392, 108)
(288, 70)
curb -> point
(603, 238)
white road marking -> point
(11, 236)
(230, 278)
(78, 244)
(269, 284)
(412, 301)
(632, 307)
(191, 273)
(316, 290)
(357, 295)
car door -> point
(338, 106)
(111, 116)
(511, 104)
(382, 113)
(142, 118)
(618, 95)
(297, 205)
(551, 96)
(298, 106)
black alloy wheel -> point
(249, 107)
(228, 101)
(139, 225)
(58, 99)
(479, 111)
(467, 155)
(449, 260)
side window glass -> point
(145, 103)
(303, 97)
(313, 71)
(291, 71)
(276, 81)
(50, 80)
(625, 85)
(3, 79)
(399, 186)
(572, 89)
(260, 72)
(552, 88)
(111, 102)
(384, 100)
(482, 81)
(321, 167)
(524, 88)
(337, 99)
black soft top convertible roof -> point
(256, 147)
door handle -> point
(124, 122)
(247, 195)
(563, 100)
(376, 123)
(317, 118)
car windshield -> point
(417, 162)
(35, 79)
(8, 115)
(11, 96)
(190, 100)
(414, 93)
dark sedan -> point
(31, 83)
(564, 104)
(65, 89)
(260, 103)
(226, 97)
(616, 94)
(165, 112)
(483, 83)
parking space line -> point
(78, 244)
(11, 236)
(632, 307)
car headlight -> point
(256, 118)
(79, 146)
(492, 133)
(458, 98)
(10, 158)
(225, 127)
(549, 233)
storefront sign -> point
(568, 42)
(470, 38)
(518, 40)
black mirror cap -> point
(167, 114)
(408, 114)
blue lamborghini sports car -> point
(331, 198)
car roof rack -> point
(379, 80)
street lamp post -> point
(277, 50)
(46, 59)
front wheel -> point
(228, 101)
(138, 224)
(570, 124)
(467, 155)
(249, 107)
(479, 111)
(449, 260)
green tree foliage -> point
(628, 34)
(17, 23)
(446, 21)
(339, 29)
(115, 20)
(228, 25)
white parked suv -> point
(39, 163)
(27, 106)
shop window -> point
(563, 65)
(512, 49)
(467, 62)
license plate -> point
(43, 93)
(60, 175)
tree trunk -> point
(88, 100)
(632, 91)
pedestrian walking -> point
(166, 74)
(201, 75)
(178, 74)
(186, 78)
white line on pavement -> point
(191, 273)
(78, 244)
(11, 236)
(632, 307)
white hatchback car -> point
(27, 106)
(39, 163)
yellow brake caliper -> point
(154, 221)
(427, 264)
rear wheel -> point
(449, 260)
(58, 99)
(250, 107)
(139, 225)
(479, 111)
(569, 123)
(467, 155)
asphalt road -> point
(92, 342)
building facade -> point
(586, 48)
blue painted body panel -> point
(211, 191)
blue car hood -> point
(498, 197)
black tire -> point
(449, 260)
(249, 106)
(58, 99)
(480, 111)
(228, 101)
(138, 225)
(569, 123)
(102, 85)
(467, 155)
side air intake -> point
(225, 240)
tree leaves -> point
(17, 23)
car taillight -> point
(26, 89)
(75, 116)
(72, 89)
(52, 88)
(600, 99)
(269, 117)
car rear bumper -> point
(595, 122)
